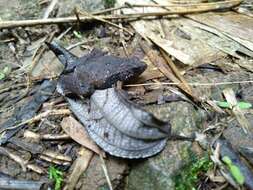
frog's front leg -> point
(71, 86)
(65, 85)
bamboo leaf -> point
(242, 105)
(234, 170)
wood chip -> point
(78, 133)
(79, 167)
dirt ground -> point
(198, 78)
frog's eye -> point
(83, 87)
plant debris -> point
(27, 111)
(78, 167)
(8, 182)
(244, 175)
(134, 76)
(57, 176)
(127, 131)
(75, 130)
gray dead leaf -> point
(119, 127)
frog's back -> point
(106, 70)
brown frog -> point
(96, 70)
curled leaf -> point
(119, 127)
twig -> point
(57, 156)
(39, 117)
(14, 157)
(12, 87)
(73, 19)
(50, 8)
(64, 33)
(8, 40)
(191, 84)
(160, 63)
(106, 21)
(36, 168)
(105, 171)
(176, 72)
(80, 43)
(23, 163)
(163, 6)
(37, 137)
(53, 160)
(178, 5)
(122, 40)
(77, 17)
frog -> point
(94, 71)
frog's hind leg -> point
(68, 59)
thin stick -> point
(64, 33)
(73, 19)
(167, 5)
(161, 65)
(221, 3)
(39, 117)
(12, 87)
(191, 84)
(50, 8)
(109, 10)
(15, 157)
(106, 21)
(176, 71)
(105, 171)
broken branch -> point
(73, 19)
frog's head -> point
(85, 89)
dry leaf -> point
(78, 133)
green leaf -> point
(242, 105)
(234, 170)
(223, 104)
(4, 72)
(237, 174)
(227, 160)
(6, 69)
(57, 176)
(190, 174)
(2, 75)
(77, 34)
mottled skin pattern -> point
(82, 76)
